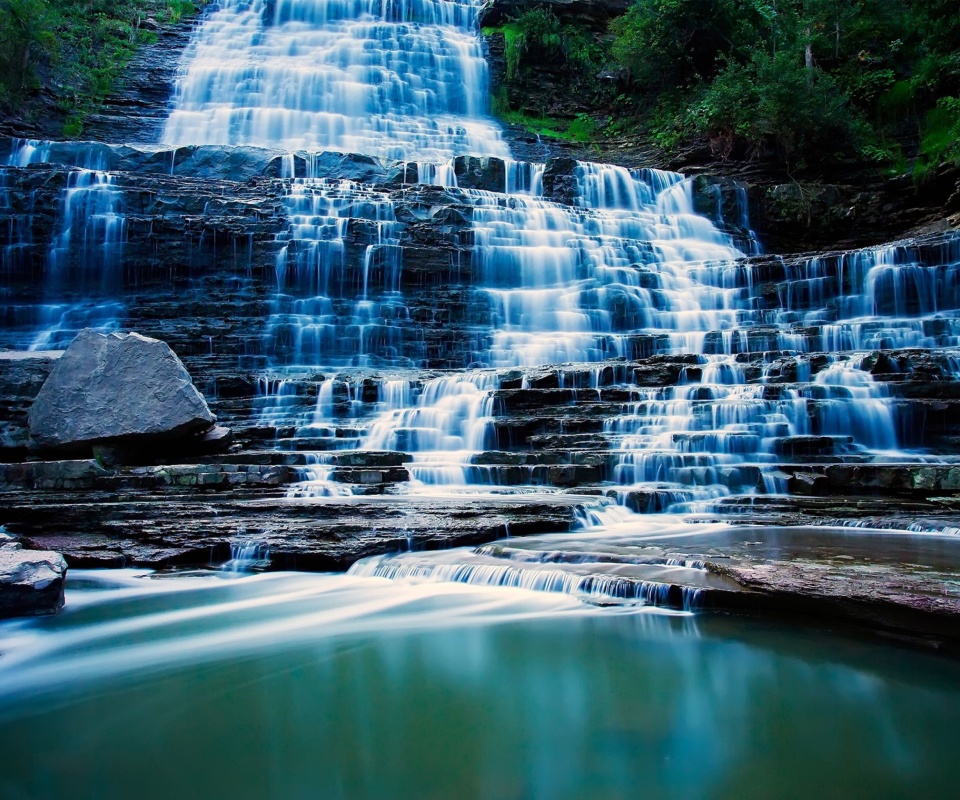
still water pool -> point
(310, 686)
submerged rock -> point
(119, 389)
(31, 581)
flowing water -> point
(291, 686)
(548, 669)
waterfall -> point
(400, 79)
(85, 256)
(602, 268)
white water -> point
(628, 269)
(401, 79)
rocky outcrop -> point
(137, 104)
(31, 581)
(137, 107)
(116, 390)
(175, 527)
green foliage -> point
(26, 35)
(583, 128)
(941, 132)
(537, 36)
(811, 80)
(76, 48)
(773, 98)
(540, 125)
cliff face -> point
(138, 107)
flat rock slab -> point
(31, 581)
(903, 583)
(306, 534)
(116, 389)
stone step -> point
(90, 475)
(310, 534)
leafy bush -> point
(941, 134)
(537, 35)
(776, 101)
(77, 48)
(812, 80)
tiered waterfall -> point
(333, 215)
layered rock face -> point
(439, 348)
(319, 315)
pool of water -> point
(312, 686)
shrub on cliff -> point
(811, 80)
(74, 49)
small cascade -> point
(325, 312)
(316, 480)
(278, 402)
(899, 295)
(592, 577)
(690, 440)
(17, 221)
(739, 219)
(524, 178)
(853, 404)
(93, 221)
(85, 258)
(247, 556)
(450, 421)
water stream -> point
(545, 669)
(291, 685)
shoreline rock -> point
(31, 581)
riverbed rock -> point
(119, 389)
(31, 581)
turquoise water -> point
(310, 686)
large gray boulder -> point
(31, 581)
(118, 389)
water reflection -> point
(330, 686)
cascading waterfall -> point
(623, 269)
(85, 256)
(629, 270)
(401, 79)
(324, 312)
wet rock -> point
(160, 529)
(22, 374)
(31, 581)
(480, 173)
(51, 475)
(560, 180)
(116, 389)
